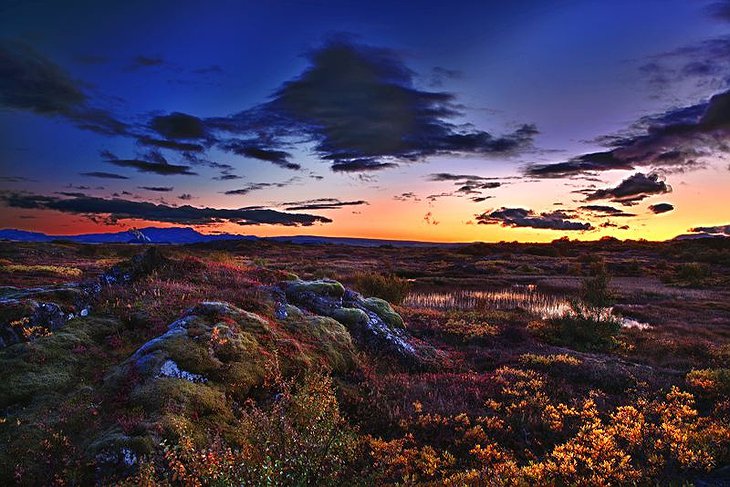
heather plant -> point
(298, 438)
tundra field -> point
(267, 363)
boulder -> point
(371, 321)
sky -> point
(434, 121)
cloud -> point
(586, 163)
(146, 62)
(520, 217)
(159, 189)
(661, 208)
(31, 82)
(720, 10)
(632, 189)
(362, 165)
(677, 140)
(258, 186)
(321, 204)
(170, 144)
(475, 187)
(479, 199)
(13, 179)
(430, 220)
(359, 108)
(717, 231)
(103, 175)
(410, 195)
(603, 210)
(112, 210)
(248, 149)
(227, 177)
(158, 165)
(447, 176)
(185, 197)
(178, 125)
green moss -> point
(49, 365)
(350, 316)
(383, 309)
(324, 287)
(194, 398)
(333, 341)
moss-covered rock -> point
(321, 287)
(49, 365)
(350, 316)
(384, 311)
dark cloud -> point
(440, 75)
(112, 210)
(476, 187)
(632, 189)
(604, 210)
(359, 107)
(227, 177)
(479, 199)
(212, 69)
(103, 175)
(717, 231)
(170, 144)
(677, 140)
(13, 179)
(185, 197)
(407, 196)
(586, 163)
(661, 208)
(720, 10)
(447, 176)
(321, 204)
(31, 82)
(248, 149)
(520, 217)
(258, 186)
(158, 164)
(362, 165)
(159, 189)
(179, 126)
(146, 62)
(430, 219)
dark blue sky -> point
(361, 103)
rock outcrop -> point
(26, 314)
(371, 321)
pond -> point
(526, 297)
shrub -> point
(710, 381)
(300, 439)
(582, 328)
(691, 274)
(389, 287)
(595, 290)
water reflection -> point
(523, 297)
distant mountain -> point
(186, 235)
(359, 242)
(698, 236)
(175, 235)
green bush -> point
(389, 287)
(583, 328)
(595, 290)
(692, 273)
